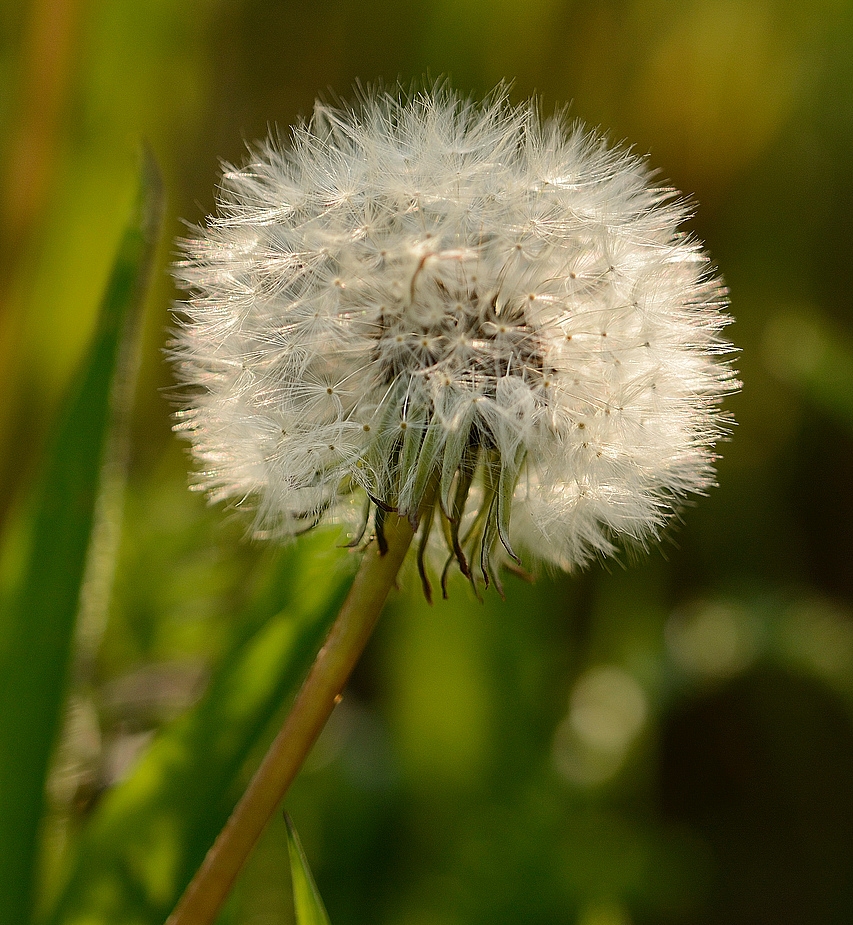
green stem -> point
(315, 701)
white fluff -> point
(422, 284)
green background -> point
(665, 742)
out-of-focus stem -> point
(39, 104)
(314, 703)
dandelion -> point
(453, 321)
(482, 321)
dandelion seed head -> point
(456, 311)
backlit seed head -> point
(458, 312)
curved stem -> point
(315, 701)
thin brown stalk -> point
(314, 703)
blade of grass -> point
(38, 630)
(152, 831)
(307, 903)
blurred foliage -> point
(70, 550)
(667, 743)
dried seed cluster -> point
(460, 312)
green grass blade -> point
(306, 897)
(151, 832)
(38, 630)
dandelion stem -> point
(314, 703)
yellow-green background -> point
(670, 742)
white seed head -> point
(454, 310)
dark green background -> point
(669, 742)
